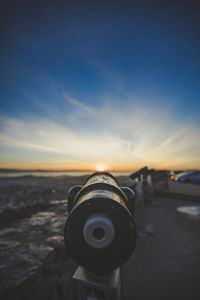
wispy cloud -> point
(122, 136)
(78, 104)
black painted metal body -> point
(100, 198)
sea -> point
(16, 173)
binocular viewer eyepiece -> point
(100, 233)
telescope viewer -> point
(100, 232)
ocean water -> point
(11, 174)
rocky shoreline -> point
(33, 260)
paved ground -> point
(185, 188)
(167, 265)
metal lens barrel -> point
(100, 233)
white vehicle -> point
(192, 176)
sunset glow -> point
(100, 88)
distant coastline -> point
(11, 173)
(40, 170)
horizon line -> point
(85, 170)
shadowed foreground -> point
(166, 265)
(34, 264)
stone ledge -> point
(19, 201)
(33, 261)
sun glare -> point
(101, 168)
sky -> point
(100, 84)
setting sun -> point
(101, 168)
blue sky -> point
(113, 83)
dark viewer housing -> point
(100, 233)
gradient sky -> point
(112, 83)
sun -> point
(101, 168)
